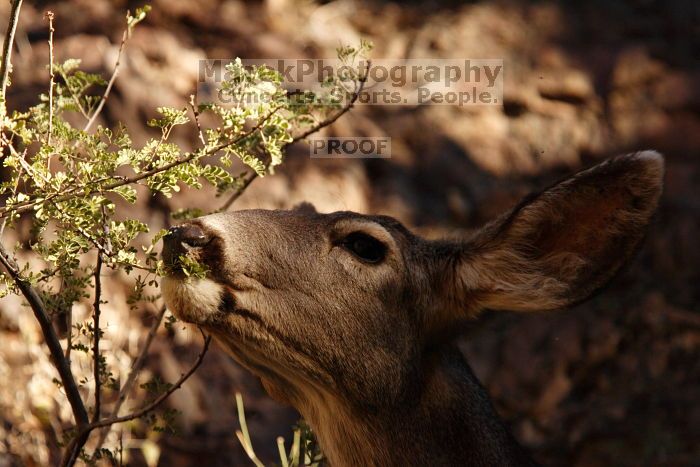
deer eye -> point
(365, 247)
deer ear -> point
(557, 247)
(305, 207)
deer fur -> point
(364, 349)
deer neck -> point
(448, 420)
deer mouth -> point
(191, 300)
(183, 243)
(194, 298)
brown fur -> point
(364, 350)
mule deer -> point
(350, 318)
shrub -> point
(64, 180)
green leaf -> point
(171, 118)
(127, 192)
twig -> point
(121, 449)
(69, 326)
(73, 96)
(195, 112)
(115, 72)
(74, 448)
(136, 368)
(96, 336)
(159, 400)
(59, 361)
(247, 180)
(7, 46)
(50, 16)
(96, 357)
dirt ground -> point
(614, 382)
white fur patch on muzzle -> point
(192, 300)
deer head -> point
(350, 317)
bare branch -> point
(136, 368)
(96, 336)
(108, 89)
(6, 64)
(159, 400)
(195, 112)
(74, 448)
(69, 327)
(96, 357)
(59, 361)
(50, 16)
(247, 180)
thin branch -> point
(74, 448)
(247, 180)
(160, 399)
(96, 336)
(96, 357)
(50, 16)
(105, 250)
(136, 368)
(69, 326)
(195, 112)
(59, 361)
(73, 96)
(7, 46)
(108, 90)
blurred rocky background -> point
(613, 382)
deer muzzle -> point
(179, 242)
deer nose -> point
(188, 234)
(181, 239)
